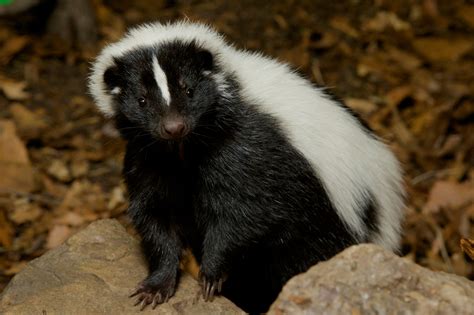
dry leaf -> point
(328, 39)
(430, 7)
(384, 20)
(360, 105)
(403, 133)
(406, 60)
(15, 167)
(71, 218)
(112, 25)
(14, 90)
(465, 224)
(6, 231)
(117, 197)
(467, 246)
(24, 211)
(460, 265)
(464, 110)
(11, 147)
(89, 215)
(84, 196)
(445, 194)
(30, 125)
(396, 95)
(52, 187)
(11, 47)
(59, 170)
(57, 235)
(79, 168)
(365, 67)
(442, 49)
(450, 145)
(466, 12)
(16, 268)
(342, 24)
(422, 123)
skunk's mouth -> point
(181, 150)
(176, 147)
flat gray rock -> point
(93, 273)
(366, 279)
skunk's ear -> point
(205, 59)
(112, 78)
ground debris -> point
(15, 166)
(14, 90)
(404, 66)
(467, 246)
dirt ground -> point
(407, 67)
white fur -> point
(161, 81)
(116, 90)
(143, 36)
(349, 162)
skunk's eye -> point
(141, 101)
(189, 92)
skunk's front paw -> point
(151, 292)
(210, 284)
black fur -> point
(234, 190)
(370, 219)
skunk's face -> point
(164, 91)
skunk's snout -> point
(173, 127)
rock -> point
(93, 272)
(15, 167)
(367, 279)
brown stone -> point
(93, 273)
(367, 279)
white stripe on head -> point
(161, 81)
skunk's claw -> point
(210, 287)
(148, 294)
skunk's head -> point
(163, 90)
(163, 86)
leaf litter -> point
(404, 66)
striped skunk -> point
(235, 156)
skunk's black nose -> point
(173, 128)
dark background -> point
(407, 67)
